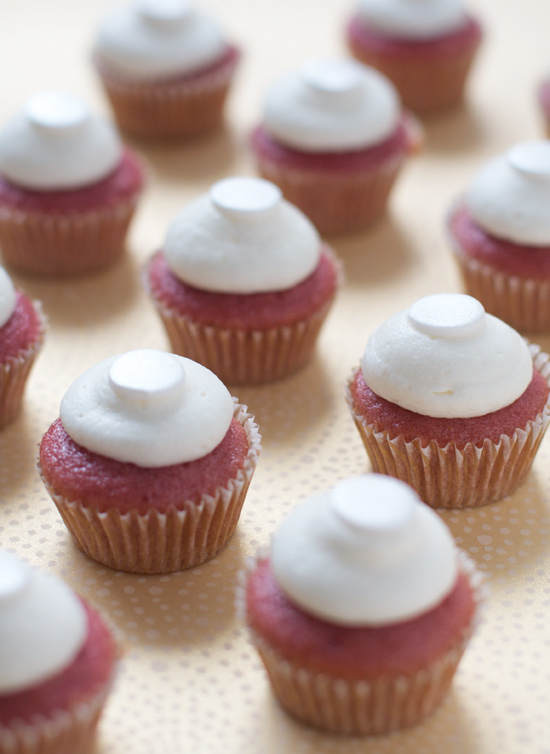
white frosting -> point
(242, 237)
(8, 297)
(149, 408)
(366, 552)
(331, 105)
(445, 357)
(155, 38)
(510, 196)
(42, 625)
(56, 143)
(413, 19)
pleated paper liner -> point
(452, 477)
(363, 707)
(158, 542)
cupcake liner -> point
(170, 109)
(163, 542)
(15, 373)
(523, 303)
(362, 707)
(451, 477)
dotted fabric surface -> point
(189, 680)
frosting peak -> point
(445, 357)
(413, 19)
(149, 408)
(331, 105)
(42, 625)
(510, 195)
(242, 237)
(55, 143)
(363, 553)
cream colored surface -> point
(190, 681)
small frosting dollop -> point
(149, 39)
(509, 197)
(55, 143)
(367, 552)
(331, 105)
(8, 297)
(446, 357)
(149, 408)
(42, 625)
(413, 19)
(242, 237)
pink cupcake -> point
(362, 609)
(150, 462)
(452, 401)
(57, 664)
(243, 282)
(166, 68)
(68, 188)
(22, 330)
(426, 49)
(333, 137)
(543, 96)
(499, 232)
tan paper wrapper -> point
(163, 542)
(449, 477)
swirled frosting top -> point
(8, 297)
(413, 19)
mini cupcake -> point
(243, 283)
(452, 401)
(334, 139)
(149, 462)
(500, 235)
(22, 330)
(426, 49)
(166, 68)
(57, 664)
(363, 608)
(68, 188)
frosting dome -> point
(509, 197)
(148, 39)
(56, 143)
(42, 625)
(445, 357)
(242, 237)
(331, 105)
(413, 19)
(363, 553)
(8, 297)
(148, 407)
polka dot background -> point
(189, 680)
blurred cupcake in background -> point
(68, 188)
(57, 663)
(166, 68)
(334, 138)
(426, 49)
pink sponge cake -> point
(359, 644)
(150, 462)
(333, 137)
(425, 49)
(499, 232)
(68, 188)
(451, 400)
(57, 664)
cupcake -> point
(57, 664)
(543, 96)
(149, 462)
(166, 68)
(333, 137)
(22, 330)
(451, 400)
(68, 188)
(499, 232)
(243, 282)
(426, 49)
(362, 609)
